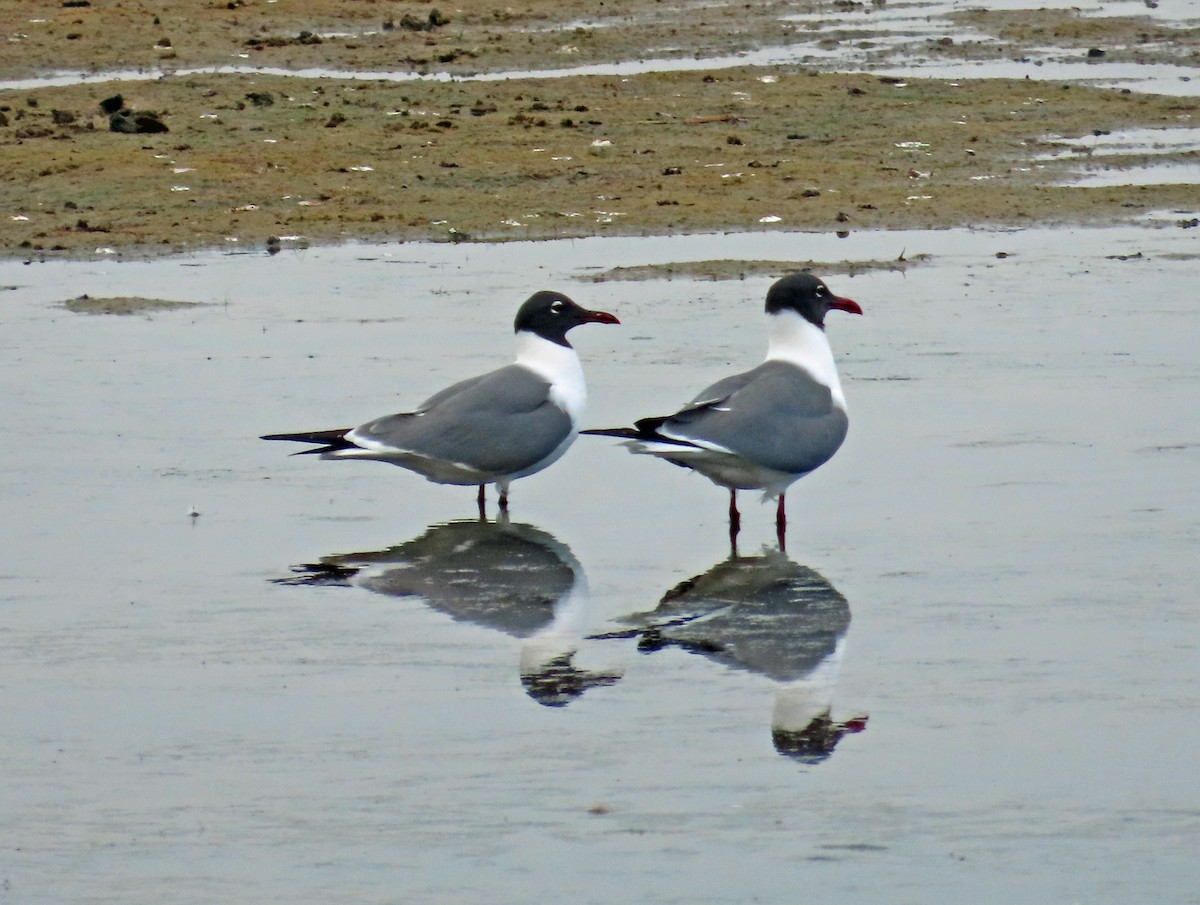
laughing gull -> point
(494, 428)
(764, 428)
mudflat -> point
(279, 130)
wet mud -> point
(321, 148)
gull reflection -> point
(513, 578)
(771, 616)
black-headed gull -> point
(766, 427)
(494, 428)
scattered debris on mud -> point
(254, 160)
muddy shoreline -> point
(260, 161)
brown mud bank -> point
(460, 40)
(250, 157)
(262, 160)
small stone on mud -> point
(128, 122)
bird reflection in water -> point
(514, 578)
(771, 616)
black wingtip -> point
(647, 428)
(627, 433)
(322, 437)
(325, 441)
(643, 429)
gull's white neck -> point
(557, 365)
(792, 339)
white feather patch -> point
(557, 365)
(793, 339)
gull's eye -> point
(557, 307)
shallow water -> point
(1005, 554)
(1147, 174)
(1154, 78)
(1119, 158)
(1178, 140)
(892, 39)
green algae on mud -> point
(428, 37)
(366, 36)
(1115, 38)
(672, 152)
(250, 156)
(123, 305)
(731, 269)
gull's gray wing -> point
(721, 390)
(453, 390)
(776, 415)
(498, 423)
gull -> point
(507, 424)
(767, 427)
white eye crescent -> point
(557, 307)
